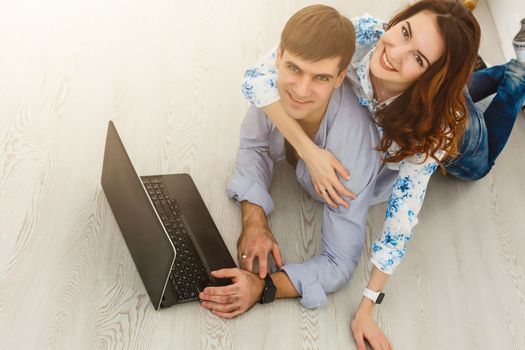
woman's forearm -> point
(376, 283)
(290, 128)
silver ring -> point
(244, 256)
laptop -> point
(169, 232)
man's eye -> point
(404, 31)
(419, 60)
(322, 78)
(293, 69)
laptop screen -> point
(146, 238)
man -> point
(316, 47)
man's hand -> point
(235, 299)
(364, 327)
(257, 241)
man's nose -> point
(303, 86)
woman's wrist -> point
(307, 149)
(366, 307)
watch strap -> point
(376, 297)
(269, 290)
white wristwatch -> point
(376, 297)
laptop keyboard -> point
(188, 275)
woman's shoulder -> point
(368, 29)
(421, 163)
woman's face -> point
(406, 51)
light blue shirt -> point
(404, 184)
(349, 133)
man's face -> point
(305, 87)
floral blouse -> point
(409, 188)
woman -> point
(411, 74)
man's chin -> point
(294, 113)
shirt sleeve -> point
(259, 84)
(402, 210)
(254, 166)
(368, 30)
(352, 140)
(342, 237)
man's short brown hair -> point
(319, 32)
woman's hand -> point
(323, 167)
(364, 327)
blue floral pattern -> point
(368, 30)
(409, 189)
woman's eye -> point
(404, 31)
(419, 60)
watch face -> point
(380, 298)
(268, 294)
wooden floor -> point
(168, 73)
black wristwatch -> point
(269, 290)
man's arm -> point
(256, 240)
(250, 185)
(254, 166)
(246, 291)
(343, 237)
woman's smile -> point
(385, 63)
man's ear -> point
(340, 77)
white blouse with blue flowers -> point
(409, 187)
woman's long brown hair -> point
(431, 114)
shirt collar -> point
(330, 114)
(365, 94)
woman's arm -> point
(363, 325)
(404, 205)
(322, 165)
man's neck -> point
(311, 123)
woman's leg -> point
(472, 163)
(485, 82)
(487, 132)
(501, 113)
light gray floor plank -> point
(169, 74)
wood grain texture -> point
(168, 73)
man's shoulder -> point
(350, 111)
(256, 122)
(258, 113)
(353, 134)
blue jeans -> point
(487, 131)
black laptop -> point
(167, 228)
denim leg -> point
(487, 133)
(485, 82)
(501, 113)
(472, 163)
